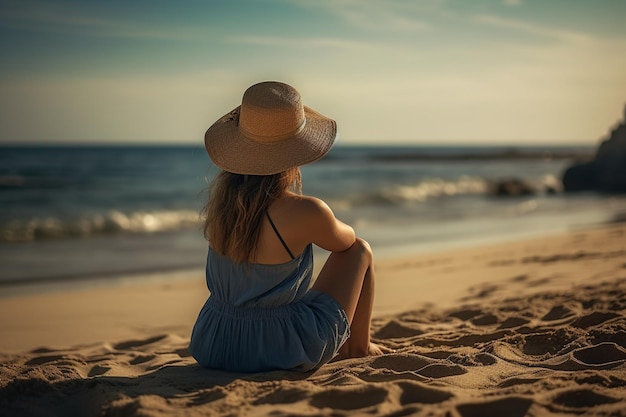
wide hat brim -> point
(232, 151)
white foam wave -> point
(551, 184)
(434, 188)
(109, 223)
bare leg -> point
(348, 277)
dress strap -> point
(279, 236)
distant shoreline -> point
(383, 153)
(508, 154)
(340, 145)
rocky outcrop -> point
(607, 171)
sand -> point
(534, 327)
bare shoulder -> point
(309, 205)
(311, 211)
(319, 223)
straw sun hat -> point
(269, 133)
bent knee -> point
(362, 246)
(362, 243)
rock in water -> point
(607, 171)
(512, 187)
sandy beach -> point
(532, 327)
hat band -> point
(272, 138)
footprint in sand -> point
(582, 398)
(409, 367)
(485, 320)
(438, 354)
(608, 335)
(413, 392)
(558, 313)
(42, 350)
(131, 344)
(481, 292)
(349, 398)
(509, 407)
(548, 343)
(479, 359)
(602, 354)
(593, 319)
(283, 395)
(400, 362)
(208, 396)
(440, 370)
(40, 360)
(395, 329)
(99, 370)
(141, 359)
(513, 322)
(465, 314)
(597, 377)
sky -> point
(388, 71)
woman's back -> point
(253, 285)
(290, 220)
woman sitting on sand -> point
(261, 314)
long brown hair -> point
(236, 206)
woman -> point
(261, 314)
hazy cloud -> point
(530, 28)
(374, 15)
(59, 18)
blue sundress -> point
(262, 317)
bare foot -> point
(373, 350)
(377, 350)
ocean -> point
(80, 213)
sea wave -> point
(438, 188)
(400, 194)
(434, 188)
(113, 222)
(145, 222)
